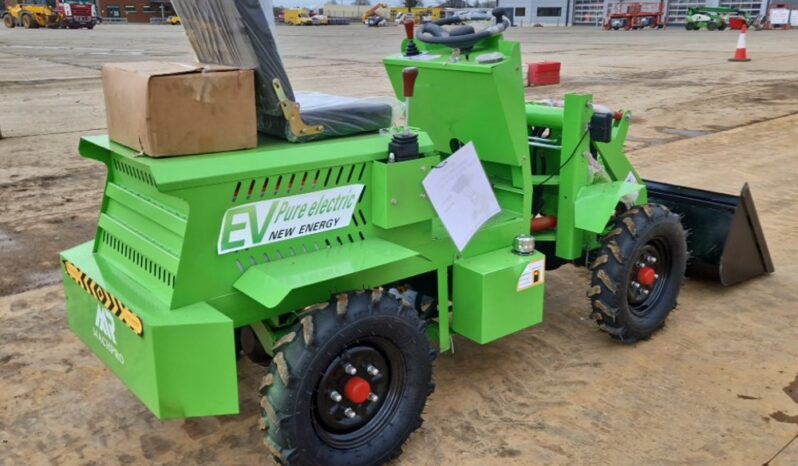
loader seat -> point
(238, 33)
(343, 116)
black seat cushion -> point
(341, 116)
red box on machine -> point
(543, 73)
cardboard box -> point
(167, 109)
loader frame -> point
(185, 251)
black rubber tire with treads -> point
(614, 265)
(294, 435)
(8, 21)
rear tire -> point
(27, 22)
(306, 424)
(629, 302)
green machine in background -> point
(326, 261)
(714, 18)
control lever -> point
(404, 145)
(409, 76)
(411, 50)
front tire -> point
(348, 385)
(638, 273)
(8, 21)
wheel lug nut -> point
(336, 397)
(645, 292)
(350, 369)
(373, 398)
(656, 276)
(373, 371)
(635, 285)
(350, 413)
(651, 259)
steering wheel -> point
(463, 37)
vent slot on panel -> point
(134, 257)
(120, 166)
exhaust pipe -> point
(724, 235)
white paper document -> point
(461, 195)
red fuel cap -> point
(646, 276)
(357, 390)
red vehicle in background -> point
(76, 14)
(638, 15)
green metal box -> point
(398, 197)
(497, 293)
(180, 362)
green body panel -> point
(492, 93)
(488, 304)
(399, 197)
(269, 284)
(187, 243)
(596, 203)
(182, 365)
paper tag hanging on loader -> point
(725, 238)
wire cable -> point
(576, 148)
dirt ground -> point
(719, 385)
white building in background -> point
(568, 12)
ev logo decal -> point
(105, 332)
(265, 222)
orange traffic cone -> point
(740, 54)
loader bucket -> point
(724, 237)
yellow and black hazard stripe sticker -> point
(114, 305)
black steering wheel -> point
(463, 37)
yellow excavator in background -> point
(371, 18)
(32, 14)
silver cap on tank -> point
(524, 245)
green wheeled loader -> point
(320, 254)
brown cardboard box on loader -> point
(167, 109)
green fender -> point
(596, 203)
(348, 267)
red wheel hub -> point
(357, 390)
(646, 276)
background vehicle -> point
(372, 18)
(173, 20)
(628, 16)
(32, 14)
(76, 14)
(297, 17)
(713, 18)
(319, 20)
(73, 14)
